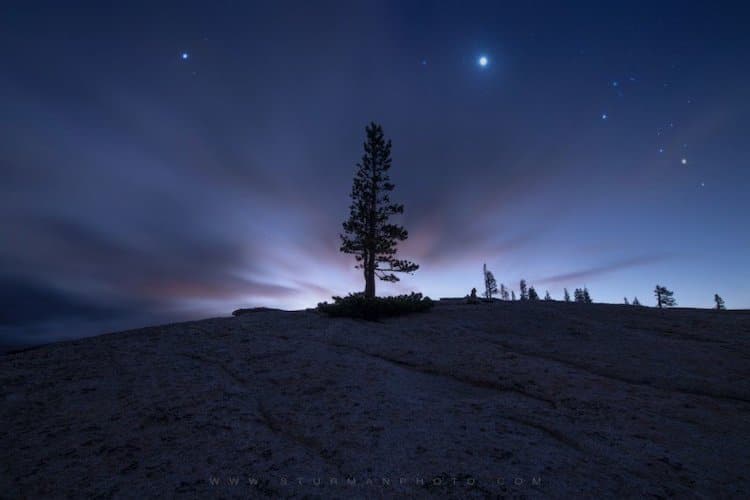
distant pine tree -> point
(635, 301)
(664, 297)
(586, 296)
(490, 285)
(512, 295)
(367, 233)
(504, 292)
(567, 295)
(524, 290)
(532, 294)
(578, 296)
(719, 302)
(547, 295)
(626, 301)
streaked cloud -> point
(583, 274)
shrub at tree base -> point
(356, 305)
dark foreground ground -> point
(536, 400)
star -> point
(483, 61)
(424, 62)
(184, 56)
(604, 116)
(615, 83)
(661, 150)
(684, 161)
(703, 184)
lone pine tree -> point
(586, 296)
(490, 284)
(524, 290)
(719, 302)
(368, 234)
(664, 297)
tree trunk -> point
(370, 277)
(371, 242)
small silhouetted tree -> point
(664, 297)
(719, 302)
(532, 294)
(367, 233)
(586, 296)
(490, 285)
(635, 301)
(578, 295)
(512, 295)
(566, 295)
(547, 295)
(524, 290)
(626, 301)
(504, 292)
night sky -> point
(172, 163)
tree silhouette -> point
(635, 301)
(524, 290)
(719, 302)
(547, 295)
(578, 295)
(532, 294)
(490, 285)
(626, 301)
(664, 297)
(367, 233)
(512, 295)
(566, 295)
(504, 292)
(586, 296)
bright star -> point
(184, 56)
(604, 116)
(684, 161)
(661, 150)
(483, 61)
